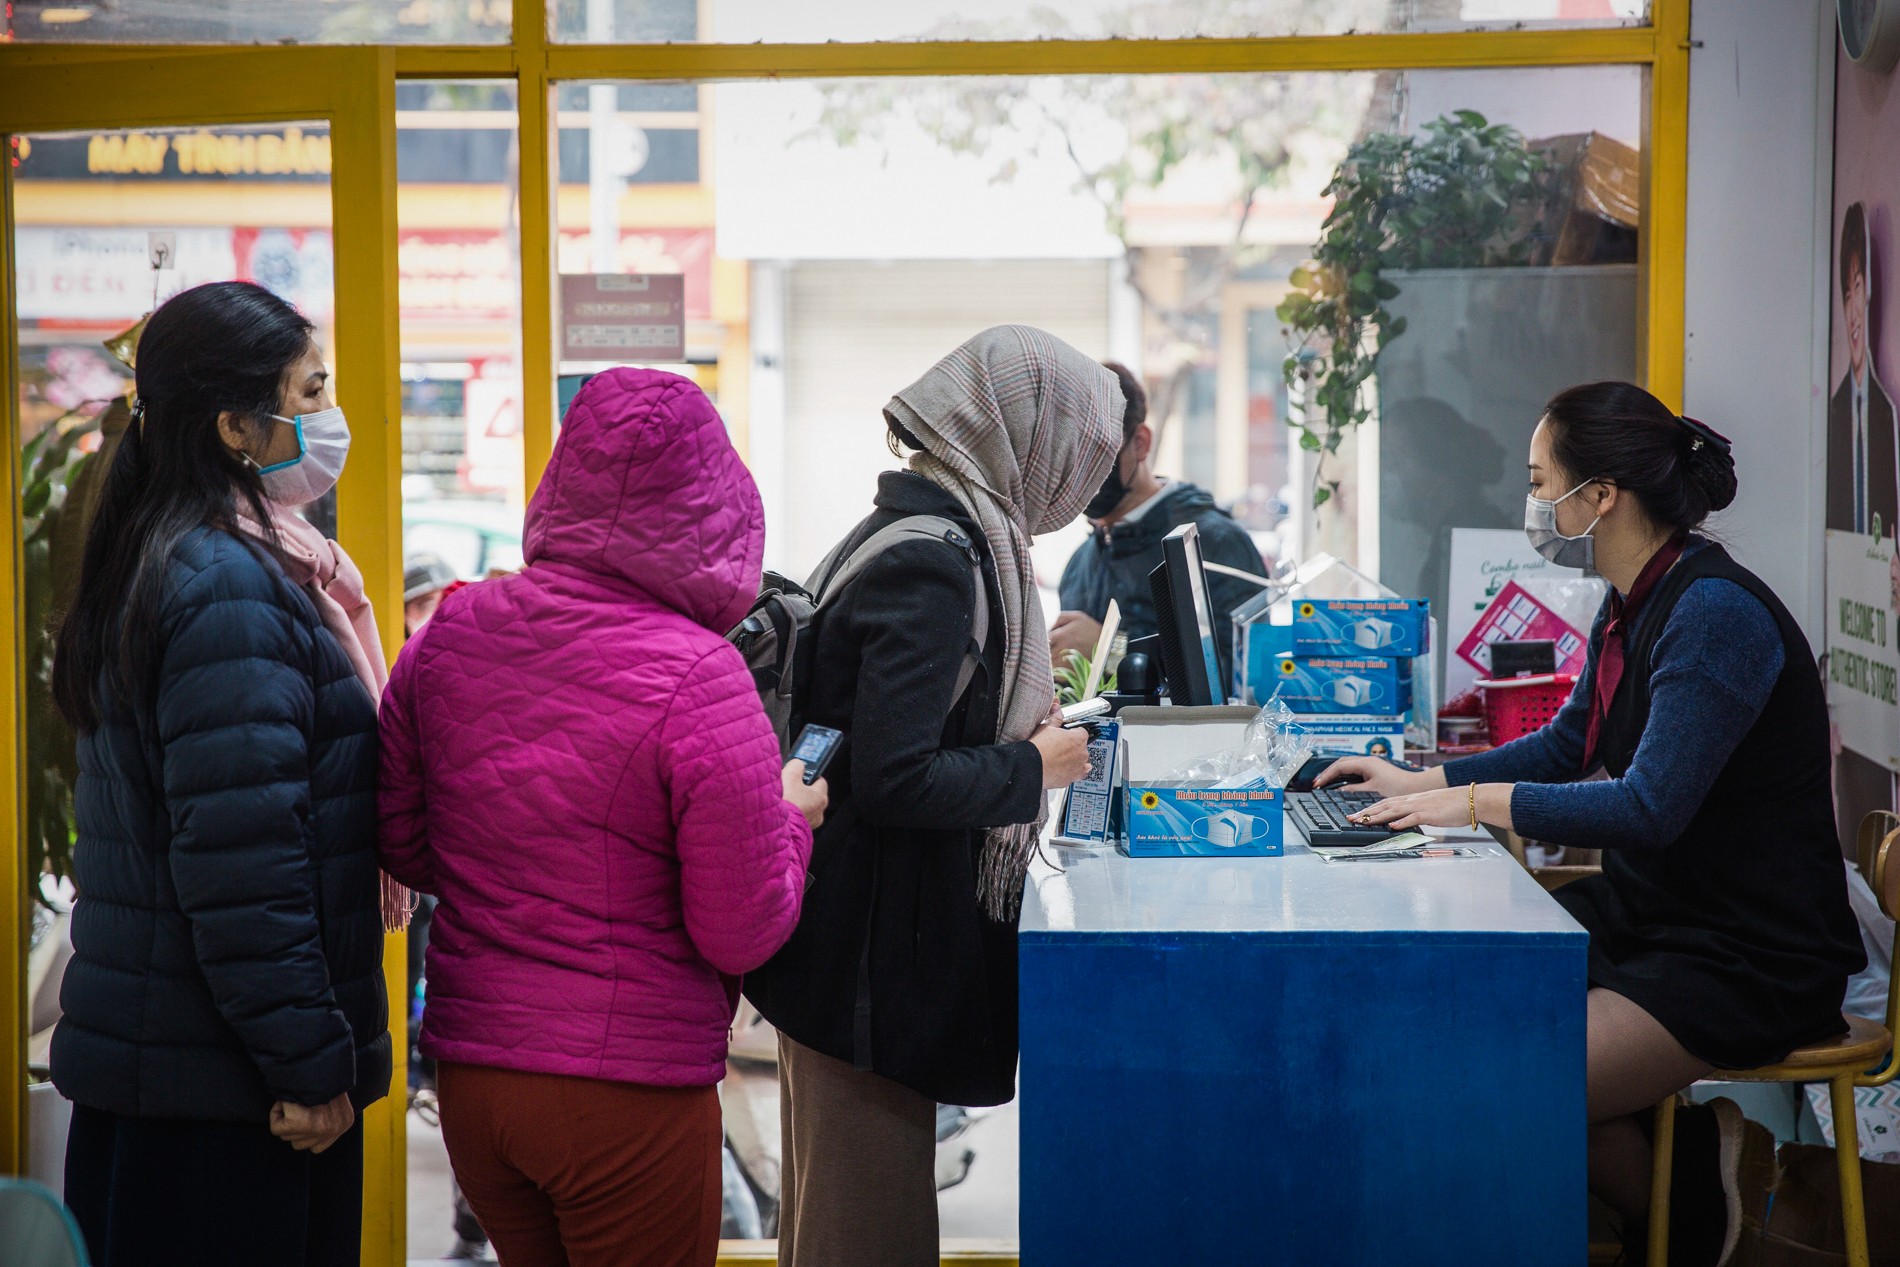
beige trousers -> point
(859, 1187)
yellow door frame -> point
(353, 90)
(47, 87)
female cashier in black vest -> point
(1720, 934)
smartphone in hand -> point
(816, 746)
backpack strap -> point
(840, 568)
(979, 634)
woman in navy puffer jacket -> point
(224, 1017)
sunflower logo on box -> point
(1307, 611)
(1288, 668)
(1150, 801)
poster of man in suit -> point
(1863, 449)
(1862, 607)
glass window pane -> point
(459, 262)
(251, 203)
(744, 21)
(836, 238)
(261, 21)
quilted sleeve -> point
(402, 840)
(235, 703)
(742, 847)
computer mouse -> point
(1316, 766)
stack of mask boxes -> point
(1350, 670)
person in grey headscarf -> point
(898, 990)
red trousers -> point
(573, 1172)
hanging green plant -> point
(1466, 193)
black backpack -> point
(773, 636)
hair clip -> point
(1703, 431)
(138, 414)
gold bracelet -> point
(1474, 805)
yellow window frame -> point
(353, 90)
(50, 87)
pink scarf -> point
(335, 587)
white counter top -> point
(1105, 892)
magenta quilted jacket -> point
(576, 764)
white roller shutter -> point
(858, 332)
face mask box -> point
(1356, 735)
(1165, 821)
(1174, 822)
(1392, 628)
(1361, 685)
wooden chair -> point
(1862, 1057)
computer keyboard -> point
(1324, 817)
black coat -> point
(228, 938)
(1883, 460)
(892, 896)
(1738, 937)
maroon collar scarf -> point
(1610, 657)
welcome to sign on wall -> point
(1863, 662)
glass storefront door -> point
(115, 201)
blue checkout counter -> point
(1282, 1060)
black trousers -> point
(149, 1192)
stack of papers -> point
(1407, 844)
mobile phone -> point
(816, 746)
(1084, 711)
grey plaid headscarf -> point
(1020, 428)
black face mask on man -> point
(1110, 495)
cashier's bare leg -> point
(1632, 1064)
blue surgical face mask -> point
(1540, 525)
(323, 444)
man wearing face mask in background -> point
(1131, 514)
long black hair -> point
(221, 346)
(1677, 468)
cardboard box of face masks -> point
(1356, 734)
(1176, 822)
(1361, 685)
(1392, 628)
(1164, 821)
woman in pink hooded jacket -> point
(576, 765)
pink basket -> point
(1514, 707)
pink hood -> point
(576, 764)
(645, 487)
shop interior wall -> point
(1761, 112)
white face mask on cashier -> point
(323, 445)
(1540, 525)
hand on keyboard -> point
(1440, 807)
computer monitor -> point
(1184, 610)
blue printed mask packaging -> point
(1392, 628)
(1362, 685)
